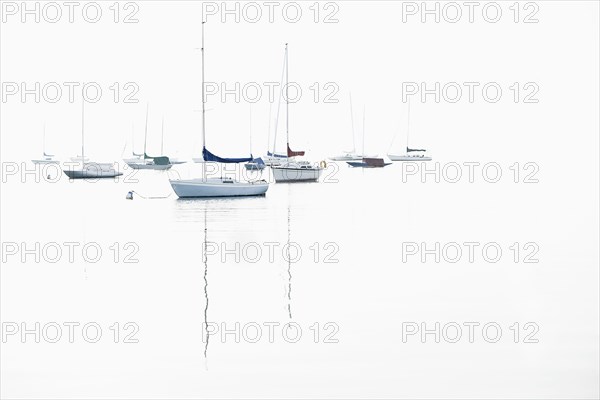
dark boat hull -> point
(368, 163)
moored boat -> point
(369, 163)
(215, 187)
(300, 171)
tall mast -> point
(251, 129)
(352, 119)
(269, 137)
(146, 129)
(162, 136)
(363, 144)
(287, 100)
(82, 137)
(132, 139)
(408, 125)
(203, 106)
(44, 139)
(203, 111)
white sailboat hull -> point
(45, 161)
(93, 171)
(143, 165)
(216, 187)
(290, 173)
(405, 157)
(345, 158)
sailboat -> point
(89, 170)
(411, 154)
(47, 158)
(147, 162)
(216, 187)
(367, 162)
(293, 171)
(349, 155)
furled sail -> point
(408, 150)
(291, 153)
(208, 156)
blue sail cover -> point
(208, 156)
(276, 155)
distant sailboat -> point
(367, 162)
(147, 162)
(293, 171)
(349, 155)
(411, 154)
(47, 158)
(89, 170)
(216, 187)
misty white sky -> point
(369, 52)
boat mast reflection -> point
(205, 261)
(289, 266)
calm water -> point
(347, 289)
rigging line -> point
(151, 197)
(270, 123)
(82, 130)
(393, 141)
(162, 136)
(251, 130)
(408, 124)
(352, 121)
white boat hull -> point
(45, 161)
(142, 165)
(93, 171)
(216, 187)
(295, 174)
(405, 157)
(345, 158)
